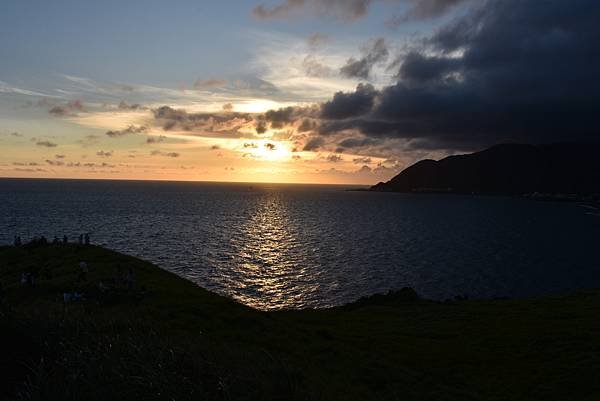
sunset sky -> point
(318, 91)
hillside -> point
(507, 169)
(167, 339)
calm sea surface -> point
(294, 246)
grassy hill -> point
(167, 339)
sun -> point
(269, 150)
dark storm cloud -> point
(351, 143)
(374, 53)
(344, 105)
(508, 70)
(421, 69)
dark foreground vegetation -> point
(163, 338)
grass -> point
(172, 340)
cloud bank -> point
(507, 71)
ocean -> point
(274, 246)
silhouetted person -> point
(87, 238)
(80, 239)
(65, 239)
(55, 241)
(17, 240)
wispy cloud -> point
(7, 88)
(103, 153)
(132, 129)
(155, 139)
(352, 10)
(67, 109)
(203, 84)
(374, 53)
(55, 162)
(165, 154)
(46, 144)
(345, 9)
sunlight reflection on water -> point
(278, 246)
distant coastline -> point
(558, 172)
(593, 200)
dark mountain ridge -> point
(562, 168)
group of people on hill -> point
(123, 279)
(84, 239)
(105, 286)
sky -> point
(307, 91)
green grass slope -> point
(167, 339)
